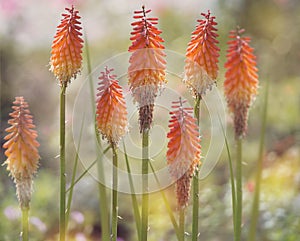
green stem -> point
(145, 195)
(181, 223)
(239, 191)
(135, 205)
(62, 222)
(255, 204)
(24, 235)
(195, 183)
(104, 214)
(233, 190)
(114, 219)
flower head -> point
(202, 54)
(183, 155)
(146, 72)
(66, 59)
(241, 81)
(21, 149)
(111, 108)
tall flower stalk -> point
(111, 118)
(240, 89)
(65, 63)
(146, 75)
(183, 155)
(201, 70)
(22, 156)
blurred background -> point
(26, 33)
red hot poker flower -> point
(66, 59)
(201, 64)
(183, 155)
(241, 81)
(22, 154)
(111, 108)
(146, 72)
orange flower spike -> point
(146, 72)
(201, 64)
(66, 59)
(183, 155)
(241, 79)
(111, 108)
(21, 150)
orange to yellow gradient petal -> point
(201, 64)
(183, 155)
(21, 149)
(66, 59)
(146, 73)
(241, 79)
(111, 108)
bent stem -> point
(86, 171)
(114, 219)
(24, 234)
(167, 204)
(70, 197)
(239, 192)
(195, 183)
(255, 204)
(62, 223)
(145, 195)
(104, 214)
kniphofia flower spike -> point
(146, 72)
(241, 81)
(66, 59)
(111, 108)
(21, 150)
(183, 155)
(201, 64)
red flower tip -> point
(202, 55)
(241, 79)
(111, 108)
(66, 59)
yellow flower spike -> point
(21, 150)
(241, 83)
(183, 155)
(66, 59)
(111, 108)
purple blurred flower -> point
(12, 213)
(80, 237)
(41, 226)
(77, 217)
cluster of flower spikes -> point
(183, 155)
(146, 73)
(21, 150)
(201, 64)
(66, 54)
(241, 79)
(111, 113)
